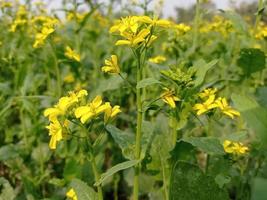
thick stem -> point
(259, 14)
(97, 177)
(138, 129)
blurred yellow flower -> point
(71, 194)
(55, 131)
(71, 54)
(41, 37)
(155, 21)
(69, 78)
(111, 112)
(157, 59)
(207, 92)
(169, 98)
(205, 106)
(234, 147)
(225, 108)
(133, 40)
(111, 66)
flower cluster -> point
(71, 54)
(210, 102)
(169, 97)
(261, 32)
(111, 66)
(157, 59)
(137, 30)
(47, 28)
(71, 194)
(74, 104)
(234, 147)
(20, 20)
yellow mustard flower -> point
(169, 98)
(132, 39)
(63, 104)
(155, 21)
(157, 59)
(234, 147)
(16, 23)
(126, 24)
(69, 78)
(71, 194)
(111, 66)
(41, 37)
(207, 92)
(181, 28)
(71, 54)
(55, 131)
(94, 108)
(111, 112)
(205, 106)
(225, 108)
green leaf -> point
(261, 96)
(202, 68)
(222, 179)
(82, 190)
(8, 152)
(210, 145)
(251, 60)
(189, 182)
(238, 22)
(259, 191)
(7, 192)
(254, 115)
(147, 82)
(124, 140)
(236, 137)
(115, 169)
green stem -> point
(165, 179)
(196, 24)
(138, 129)
(58, 76)
(97, 177)
(258, 17)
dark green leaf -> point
(210, 145)
(189, 182)
(259, 191)
(251, 60)
(82, 190)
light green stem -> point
(97, 177)
(138, 129)
(258, 17)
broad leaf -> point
(82, 190)
(124, 140)
(259, 191)
(251, 60)
(147, 82)
(202, 68)
(254, 115)
(115, 169)
(210, 145)
(189, 182)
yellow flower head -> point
(181, 28)
(205, 106)
(234, 147)
(55, 131)
(111, 66)
(71, 194)
(155, 21)
(133, 39)
(94, 108)
(157, 59)
(126, 24)
(169, 98)
(207, 92)
(41, 37)
(69, 78)
(111, 112)
(63, 104)
(71, 54)
(225, 108)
